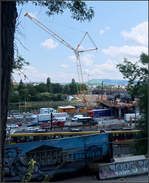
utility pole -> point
(51, 120)
(25, 104)
(19, 107)
(135, 116)
(102, 90)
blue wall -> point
(78, 144)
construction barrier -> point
(125, 168)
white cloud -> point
(105, 70)
(107, 27)
(64, 66)
(137, 34)
(72, 58)
(86, 71)
(33, 75)
(101, 31)
(81, 47)
(86, 60)
(50, 44)
(124, 51)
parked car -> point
(76, 117)
(59, 123)
(55, 123)
(19, 124)
(75, 130)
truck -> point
(47, 117)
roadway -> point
(93, 179)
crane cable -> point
(91, 40)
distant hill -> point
(108, 82)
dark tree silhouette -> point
(48, 84)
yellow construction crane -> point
(75, 50)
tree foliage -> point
(73, 87)
(137, 76)
(48, 84)
(29, 171)
(19, 62)
(41, 91)
(78, 9)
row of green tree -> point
(44, 91)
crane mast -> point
(75, 50)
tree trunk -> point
(8, 21)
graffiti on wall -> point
(121, 169)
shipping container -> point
(100, 112)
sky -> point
(119, 29)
